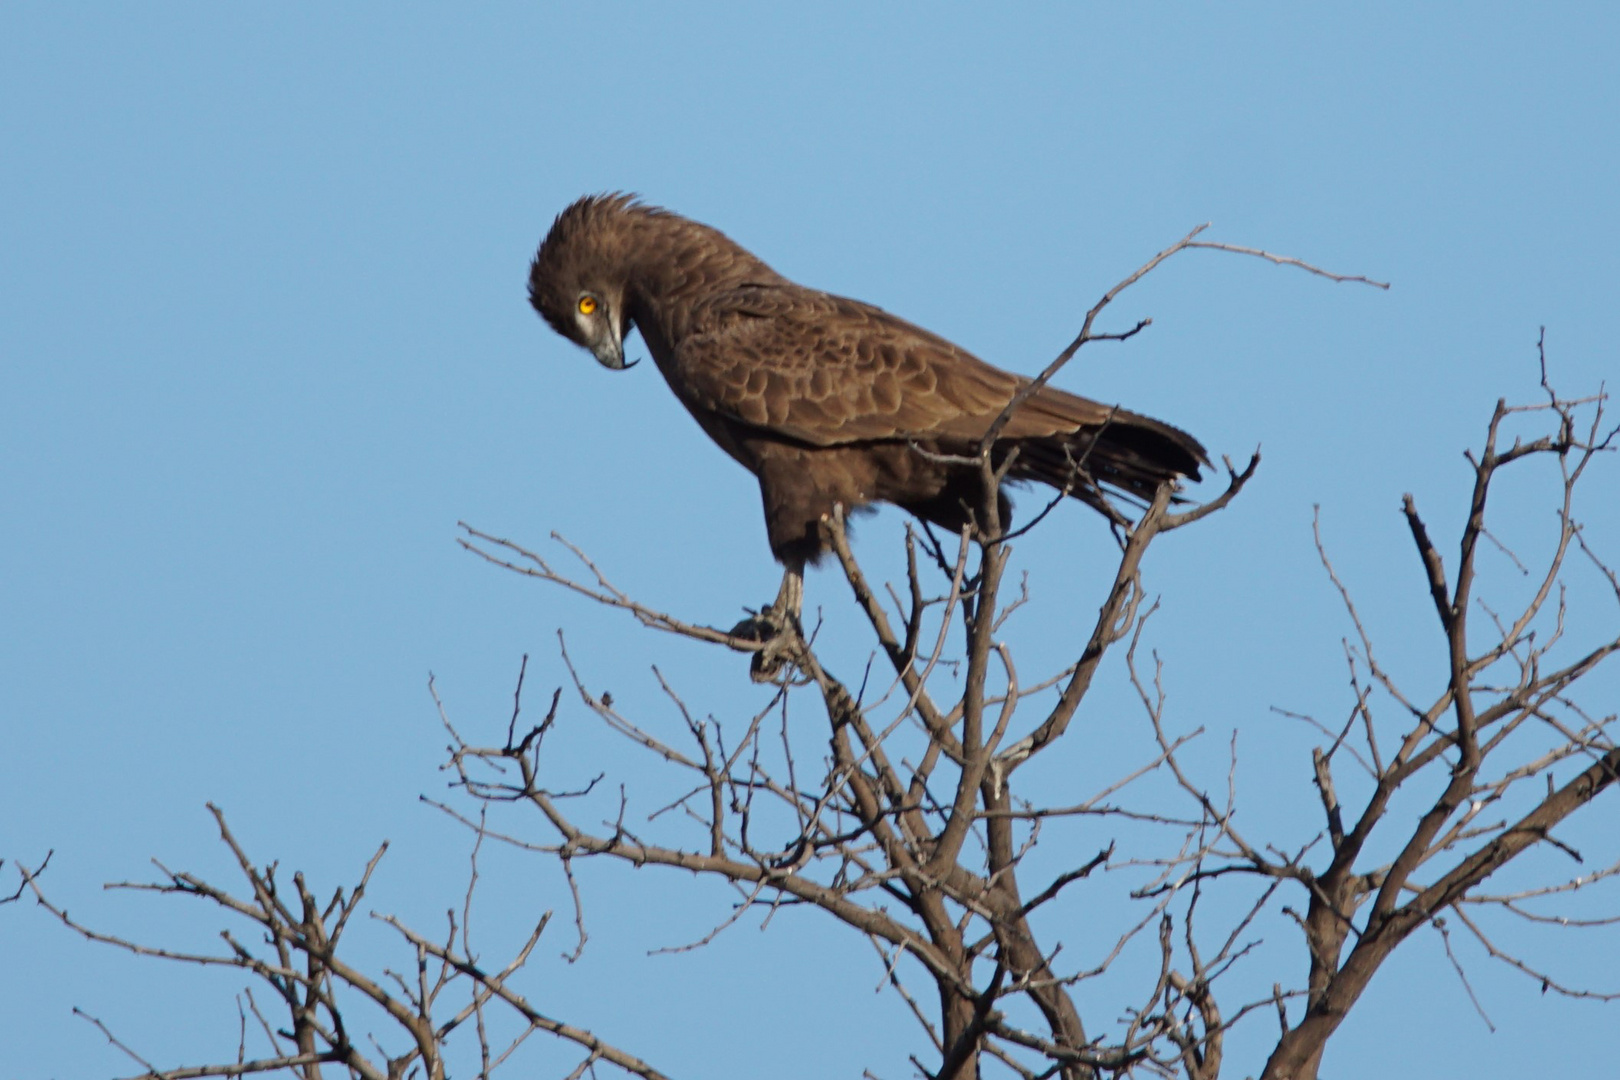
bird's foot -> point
(779, 638)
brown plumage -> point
(826, 400)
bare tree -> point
(915, 828)
(1518, 752)
(315, 997)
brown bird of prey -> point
(828, 401)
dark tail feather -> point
(1130, 454)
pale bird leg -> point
(789, 600)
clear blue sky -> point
(263, 341)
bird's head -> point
(576, 281)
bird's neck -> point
(674, 270)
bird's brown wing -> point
(826, 370)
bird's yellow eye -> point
(587, 305)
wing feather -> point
(826, 370)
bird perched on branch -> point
(828, 401)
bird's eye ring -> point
(587, 305)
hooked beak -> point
(609, 351)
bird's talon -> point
(777, 636)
